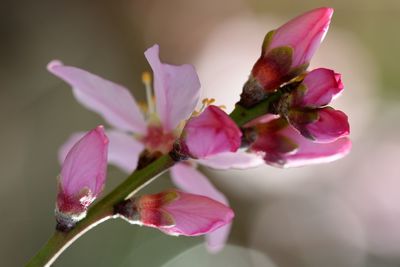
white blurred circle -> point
(232, 256)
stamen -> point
(146, 79)
(222, 106)
(205, 103)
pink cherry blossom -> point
(287, 51)
(83, 173)
(177, 91)
(178, 213)
(211, 133)
(283, 146)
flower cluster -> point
(297, 128)
(300, 128)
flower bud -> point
(176, 213)
(82, 178)
(283, 146)
(286, 53)
(211, 133)
(330, 125)
(318, 88)
(322, 125)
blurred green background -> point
(342, 214)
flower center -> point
(157, 140)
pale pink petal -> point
(304, 34)
(112, 101)
(321, 86)
(217, 239)
(124, 151)
(230, 160)
(83, 172)
(211, 133)
(330, 125)
(192, 181)
(177, 89)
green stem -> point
(242, 115)
(103, 210)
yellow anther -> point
(207, 101)
(195, 113)
(143, 106)
(222, 107)
(146, 77)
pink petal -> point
(304, 34)
(229, 160)
(177, 89)
(189, 179)
(192, 181)
(211, 133)
(284, 146)
(217, 239)
(331, 125)
(196, 215)
(66, 147)
(177, 213)
(321, 86)
(83, 171)
(314, 153)
(110, 100)
(124, 151)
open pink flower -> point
(177, 91)
(177, 213)
(211, 133)
(82, 176)
(306, 107)
(283, 146)
(287, 51)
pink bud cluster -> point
(301, 128)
